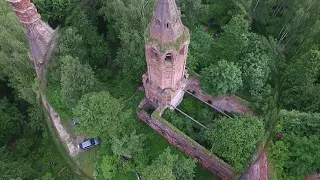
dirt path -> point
(63, 134)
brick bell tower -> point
(40, 35)
(167, 42)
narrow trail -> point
(62, 132)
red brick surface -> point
(259, 170)
(210, 162)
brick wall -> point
(192, 149)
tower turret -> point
(39, 34)
(166, 25)
(167, 42)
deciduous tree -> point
(169, 167)
(14, 62)
(220, 79)
(11, 121)
(128, 146)
(101, 115)
(76, 80)
(235, 140)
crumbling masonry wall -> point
(191, 148)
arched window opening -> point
(158, 22)
(167, 25)
(182, 50)
(154, 53)
(169, 57)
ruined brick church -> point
(165, 81)
(167, 41)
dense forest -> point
(266, 52)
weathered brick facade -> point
(167, 42)
(40, 35)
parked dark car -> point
(89, 143)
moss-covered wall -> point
(191, 148)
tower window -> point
(158, 22)
(169, 57)
(167, 25)
(154, 54)
(182, 50)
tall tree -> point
(301, 83)
(171, 167)
(101, 115)
(14, 62)
(235, 140)
(220, 79)
(11, 121)
(55, 11)
(193, 12)
(95, 46)
(200, 54)
(109, 166)
(129, 19)
(76, 80)
(294, 23)
(128, 146)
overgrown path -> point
(64, 136)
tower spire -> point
(166, 25)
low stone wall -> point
(259, 170)
(224, 103)
(191, 148)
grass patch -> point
(54, 98)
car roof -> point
(86, 143)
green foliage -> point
(278, 156)
(129, 20)
(128, 146)
(54, 11)
(223, 78)
(200, 54)
(300, 123)
(11, 121)
(304, 155)
(294, 23)
(95, 49)
(71, 43)
(237, 44)
(14, 62)
(255, 72)
(221, 11)
(300, 86)
(109, 166)
(184, 169)
(234, 40)
(297, 153)
(182, 123)
(97, 110)
(76, 80)
(192, 12)
(168, 166)
(235, 140)
(10, 169)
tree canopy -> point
(220, 79)
(97, 110)
(235, 139)
(169, 166)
